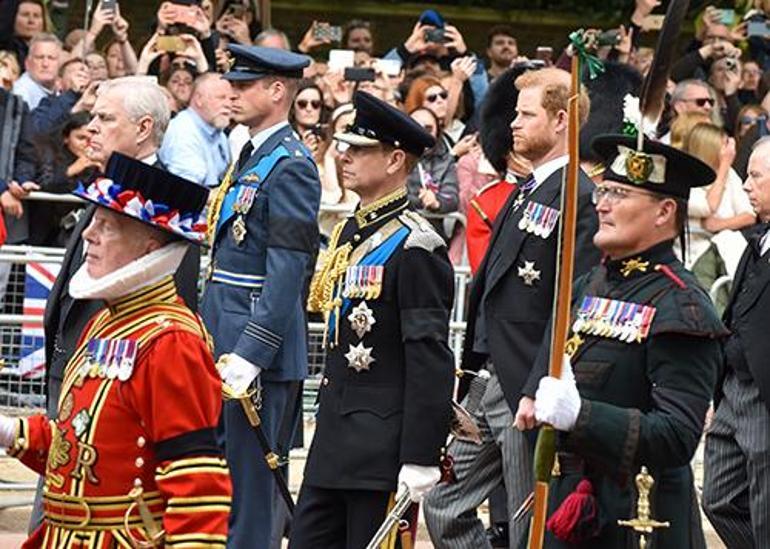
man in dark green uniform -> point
(645, 349)
(386, 288)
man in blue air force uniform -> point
(264, 232)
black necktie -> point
(755, 240)
(246, 151)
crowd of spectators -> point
(717, 106)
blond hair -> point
(556, 90)
(10, 61)
(704, 142)
(683, 125)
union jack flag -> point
(38, 281)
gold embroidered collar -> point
(162, 291)
(382, 207)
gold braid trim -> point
(215, 208)
(364, 211)
(326, 286)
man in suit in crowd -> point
(509, 307)
(736, 488)
(263, 233)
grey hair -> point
(142, 96)
(45, 38)
(267, 33)
(681, 88)
(202, 79)
(761, 142)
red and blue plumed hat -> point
(150, 195)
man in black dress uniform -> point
(645, 349)
(386, 288)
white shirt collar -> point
(151, 160)
(764, 244)
(260, 137)
(544, 171)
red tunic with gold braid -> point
(132, 454)
(483, 211)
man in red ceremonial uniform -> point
(131, 459)
(485, 206)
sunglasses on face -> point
(433, 97)
(314, 103)
(702, 101)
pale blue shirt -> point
(30, 91)
(195, 150)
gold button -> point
(138, 482)
(141, 441)
(356, 237)
(139, 462)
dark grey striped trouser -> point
(450, 509)
(736, 486)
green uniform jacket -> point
(643, 403)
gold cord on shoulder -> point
(325, 293)
(215, 208)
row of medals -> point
(623, 320)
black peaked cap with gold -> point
(378, 122)
(657, 167)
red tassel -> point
(576, 518)
(666, 270)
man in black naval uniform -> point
(645, 349)
(386, 287)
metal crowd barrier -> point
(22, 394)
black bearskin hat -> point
(497, 113)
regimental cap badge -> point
(639, 166)
(651, 165)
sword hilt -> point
(155, 534)
(391, 521)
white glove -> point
(418, 479)
(7, 431)
(237, 372)
(557, 401)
